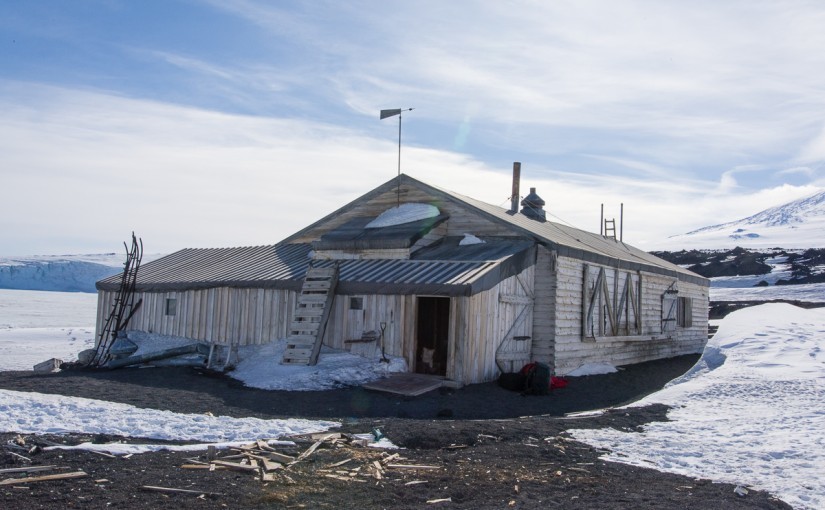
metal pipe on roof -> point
(514, 197)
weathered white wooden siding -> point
(487, 322)
(545, 308)
(348, 324)
(221, 315)
(480, 324)
(574, 349)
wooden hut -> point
(458, 287)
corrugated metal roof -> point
(574, 242)
(210, 267)
(284, 266)
(442, 269)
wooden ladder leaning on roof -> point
(306, 332)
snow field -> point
(750, 412)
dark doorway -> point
(433, 332)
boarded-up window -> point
(669, 310)
(171, 307)
(356, 303)
(684, 312)
(612, 302)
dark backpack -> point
(536, 378)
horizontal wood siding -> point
(573, 350)
(221, 315)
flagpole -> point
(392, 113)
(398, 188)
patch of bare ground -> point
(475, 448)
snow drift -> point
(750, 412)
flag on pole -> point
(390, 113)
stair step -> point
(304, 330)
(312, 298)
(298, 353)
(318, 285)
(295, 361)
(300, 339)
(309, 313)
(320, 272)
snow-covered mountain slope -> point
(65, 273)
(797, 224)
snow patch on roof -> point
(405, 213)
(470, 239)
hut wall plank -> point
(221, 315)
(572, 350)
(544, 308)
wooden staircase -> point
(306, 332)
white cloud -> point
(84, 169)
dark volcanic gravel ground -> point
(492, 448)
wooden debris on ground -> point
(178, 491)
(44, 478)
(269, 463)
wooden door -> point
(432, 335)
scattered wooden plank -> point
(345, 478)
(30, 469)
(325, 436)
(390, 458)
(269, 465)
(415, 482)
(280, 457)
(208, 467)
(411, 466)
(180, 491)
(309, 451)
(440, 500)
(337, 464)
(20, 456)
(235, 465)
(44, 478)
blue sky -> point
(237, 122)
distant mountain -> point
(65, 273)
(797, 224)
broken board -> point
(408, 384)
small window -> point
(356, 303)
(171, 306)
(684, 312)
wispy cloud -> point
(86, 165)
(687, 113)
(681, 85)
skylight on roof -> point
(405, 213)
